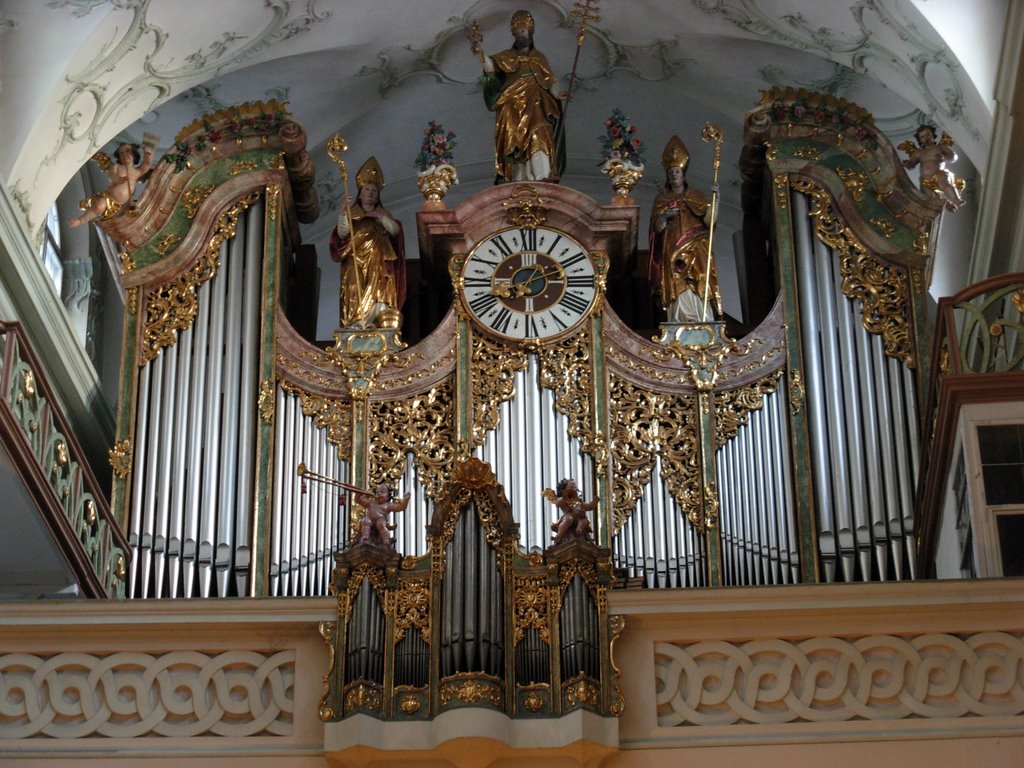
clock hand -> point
(523, 287)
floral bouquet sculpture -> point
(434, 163)
(622, 156)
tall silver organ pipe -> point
(657, 544)
(757, 517)
(194, 466)
(309, 519)
(863, 425)
(531, 449)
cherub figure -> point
(124, 176)
(573, 522)
(933, 157)
(375, 520)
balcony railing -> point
(51, 464)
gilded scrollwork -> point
(782, 191)
(525, 206)
(335, 416)
(645, 425)
(471, 692)
(173, 306)
(882, 289)
(884, 226)
(194, 198)
(265, 404)
(273, 201)
(531, 607)
(167, 243)
(328, 633)
(120, 457)
(616, 624)
(494, 369)
(423, 426)
(581, 691)
(733, 406)
(412, 609)
(855, 181)
(363, 696)
(243, 166)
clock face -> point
(527, 284)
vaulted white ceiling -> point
(76, 75)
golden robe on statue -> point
(526, 111)
(372, 270)
(679, 262)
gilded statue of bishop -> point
(523, 93)
(681, 269)
(368, 243)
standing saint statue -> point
(368, 243)
(522, 91)
(680, 259)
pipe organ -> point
(788, 455)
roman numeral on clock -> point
(573, 302)
(481, 304)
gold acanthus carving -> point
(881, 289)
(173, 306)
(387, 384)
(531, 607)
(884, 226)
(194, 198)
(241, 166)
(615, 626)
(120, 457)
(646, 424)
(494, 370)
(754, 365)
(733, 406)
(807, 152)
(328, 633)
(412, 609)
(410, 705)
(782, 191)
(796, 392)
(167, 243)
(265, 404)
(855, 181)
(470, 692)
(363, 696)
(525, 207)
(581, 691)
(273, 201)
(335, 416)
(533, 701)
(423, 426)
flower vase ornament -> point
(622, 156)
(435, 172)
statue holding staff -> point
(370, 247)
(681, 268)
(522, 91)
